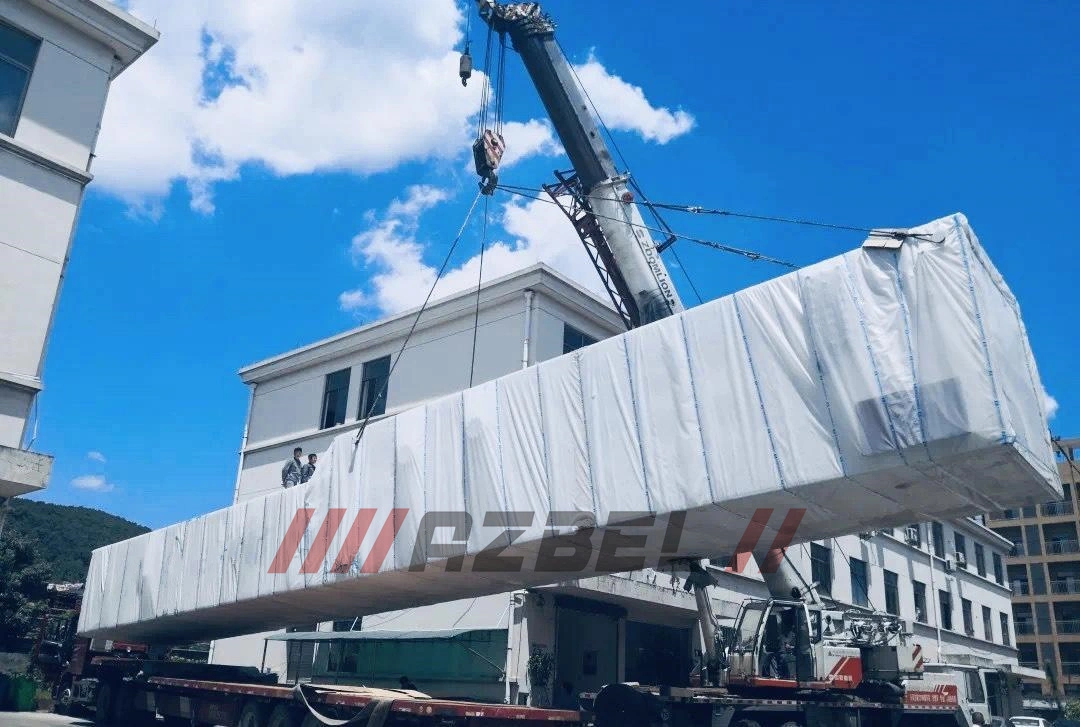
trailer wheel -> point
(253, 715)
(284, 716)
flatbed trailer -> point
(126, 697)
(626, 705)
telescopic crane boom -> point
(610, 224)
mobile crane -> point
(790, 647)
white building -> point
(636, 626)
(57, 59)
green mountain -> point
(68, 534)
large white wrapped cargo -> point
(871, 390)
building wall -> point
(883, 551)
(286, 410)
(1044, 572)
(44, 168)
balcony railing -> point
(1017, 550)
(1068, 626)
(1062, 507)
(1024, 627)
(1059, 547)
(1071, 668)
(1021, 588)
(1008, 515)
(1065, 586)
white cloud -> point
(93, 483)
(292, 86)
(297, 87)
(400, 278)
(1050, 404)
(623, 106)
(96, 457)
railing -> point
(1017, 550)
(1008, 515)
(1058, 547)
(1065, 586)
(1021, 587)
(1068, 626)
(1062, 507)
(1072, 668)
(1024, 627)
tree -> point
(1072, 709)
(24, 580)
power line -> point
(416, 320)
(596, 112)
(750, 254)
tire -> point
(253, 714)
(745, 723)
(285, 716)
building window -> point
(913, 535)
(988, 623)
(1005, 629)
(860, 589)
(892, 593)
(980, 560)
(335, 397)
(919, 592)
(999, 571)
(821, 568)
(18, 52)
(938, 536)
(945, 607)
(961, 548)
(1034, 544)
(573, 339)
(969, 620)
(1038, 579)
(374, 382)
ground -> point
(40, 719)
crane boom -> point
(625, 250)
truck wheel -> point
(746, 723)
(253, 715)
(284, 716)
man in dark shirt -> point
(309, 469)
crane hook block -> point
(488, 151)
(465, 68)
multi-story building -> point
(1044, 571)
(948, 580)
(57, 59)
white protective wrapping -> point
(875, 389)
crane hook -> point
(465, 66)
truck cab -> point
(984, 693)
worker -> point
(406, 683)
(293, 469)
(308, 469)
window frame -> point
(892, 593)
(1004, 619)
(967, 615)
(337, 390)
(817, 561)
(4, 58)
(364, 405)
(865, 582)
(999, 568)
(918, 594)
(980, 559)
(945, 609)
(937, 539)
(988, 624)
(585, 338)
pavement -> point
(40, 719)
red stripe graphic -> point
(384, 541)
(783, 539)
(291, 541)
(351, 546)
(317, 554)
(750, 537)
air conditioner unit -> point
(950, 564)
(911, 536)
(961, 559)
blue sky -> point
(249, 165)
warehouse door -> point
(587, 651)
(657, 654)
